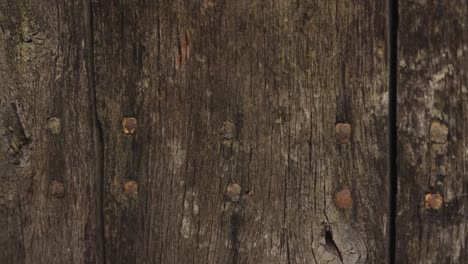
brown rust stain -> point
(182, 52)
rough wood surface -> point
(47, 166)
(432, 208)
(235, 157)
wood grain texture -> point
(47, 169)
(244, 92)
(432, 119)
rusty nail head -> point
(438, 132)
(343, 132)
(57, 189)
(131, 189)
(54, 126)
(433, 200)
(129, 125)
(228, 130)
(343, 199)
(233, 192)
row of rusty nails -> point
(57, 189)
(438, 132)
(233, 190)
(129, 125)
(343, 198)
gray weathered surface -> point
(432, 132)
(246, 92)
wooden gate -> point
(233, 131)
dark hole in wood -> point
(330, 245)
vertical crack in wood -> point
(235, 226)
(17, 137)
(392, 21)
(288, 251)
(17, 141)
(96, 131)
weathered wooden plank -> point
(235, 157)
(432, 215)
(47, 200)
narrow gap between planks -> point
(393, 133)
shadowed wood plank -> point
(432, 208)
(47, 167)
